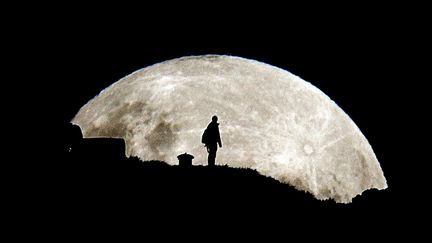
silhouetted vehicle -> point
(211, 139)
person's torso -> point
(213, 132)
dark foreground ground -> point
(93, 188)
(96, 177)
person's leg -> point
(212, 155)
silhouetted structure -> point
(106, 149)
(211, 139)
(92, 151)
(73, 138)
(185, 159)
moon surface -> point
(270, 120)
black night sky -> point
(352, 56)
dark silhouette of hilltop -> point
(97, 170)
(100, 163)
(92, 182)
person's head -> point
(214, 119)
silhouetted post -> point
(185, 159)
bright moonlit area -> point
(270, 120)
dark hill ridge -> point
(92, 176)
(137, 180)
(98, 168)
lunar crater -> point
(308, 149)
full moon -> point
(270, 120)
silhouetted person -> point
(211, 139)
